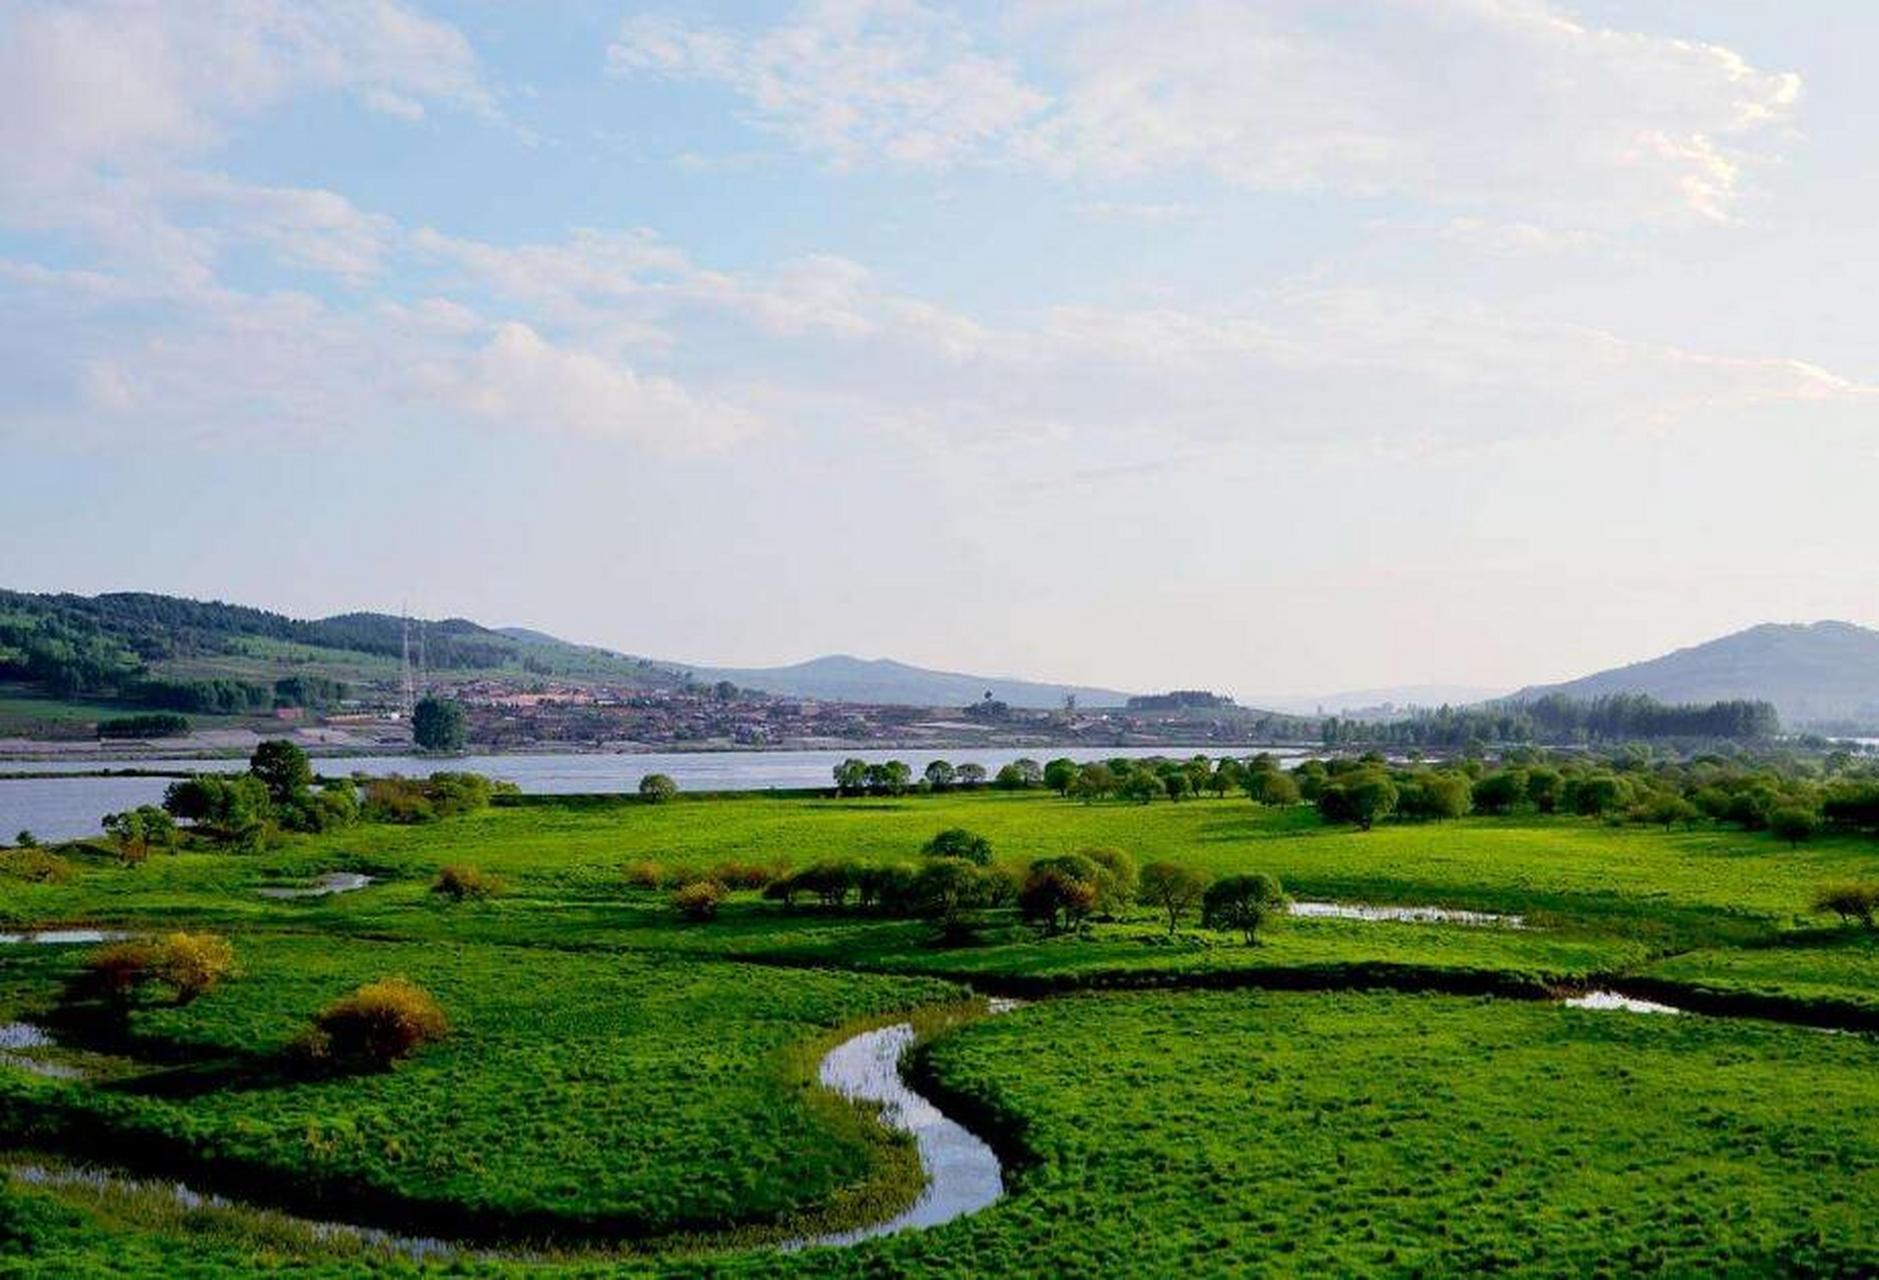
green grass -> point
(616, 1072)
(636, 1096)
(1353, 1134)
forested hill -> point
(192, 655)
(1820, 674)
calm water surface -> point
(55, 808)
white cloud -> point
(519, 379)
(119, 82)
(850, 79)
(1487, 103)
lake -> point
(61, 808)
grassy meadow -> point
(623, 1091)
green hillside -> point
(69, 657)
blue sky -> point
(1278, 347)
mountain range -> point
(841, 678)
(1814, 673)
(79, 647)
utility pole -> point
(408, 696)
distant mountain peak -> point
(1814, 672)
(843, 677)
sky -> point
(1279, 346)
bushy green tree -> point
(1243, 902)
(283, 769)
(957, 842)
(438, 724)
(1172, 888)
(1059, 892)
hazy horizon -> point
(1280, 349)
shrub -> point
(657, 788)
(193, 964)
(35, 865)
(698, 900)
(957, 842)
(1241, 902)
(742, 875)
(458, 883)
(116, 969)
(379, 1024)
(190, 964)
(890, 888)
(414, 800)
(645, 874)
(398, 800)
(783, 889)
(1850, 902)
(830, 881)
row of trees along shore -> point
(1793, 794)
(279, 793)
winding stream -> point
(963, 1173)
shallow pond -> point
(332, 882)
(1413, 915)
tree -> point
(1172, 888)
(1499, 792)
(1667, 809)
(283, 769)
(1360, 798)
(1447, 796)
(437, 724)
(1228, 774)
(971, 775)
(1850, 902)
(947, 890)
(1543, 789)
(1242, 902)
(940, 775)
(1271, 787)
(1177, 783)
(657, 788)
(891, 776)
(137, 830)
(957, 842)
(1060, 774)
(1793, 824)
(1093, 781)
(1059, 892)
(1116, 880)
(1020, 774)
(1139, 785)
(851, 776)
